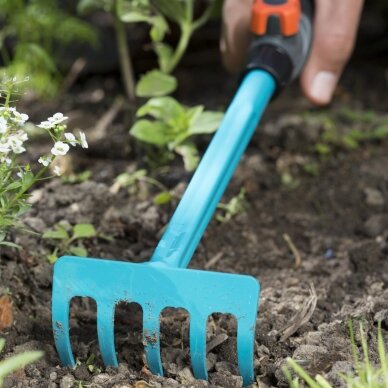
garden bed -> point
(332, 204)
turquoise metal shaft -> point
(214, 172)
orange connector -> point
(288, 11)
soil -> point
(336, 218)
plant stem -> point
(205, 16)
(186, 31)
(124, 56)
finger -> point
(235, 33)
(335, 29)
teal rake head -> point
(155, 287)
(165, 281)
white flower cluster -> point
(51, 122)
(13, 136)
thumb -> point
(335, 28)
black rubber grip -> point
(283, 57)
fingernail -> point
(323, 86)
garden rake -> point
(282, 36)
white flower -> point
(18, 149)
(4, 148)
(46, 125)
(20, 118)
(82, 137)
(6, 108)
(70, 138)
(60, 148)
(16, 143)
(5, 160)
(45, 160)
(51, 122)
(57, 118)
(3, 125)
(57, 170)
(22, 136)
(19, 174)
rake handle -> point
(282, 32)
(215, 170)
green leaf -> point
(163, 198)
(135, 17)
(52, 258)
(16, 362)
(207, 122)
(126, 179)
(322, 149)
(154, 132)
(84, 231)
(189, 154)
(10, 244)
(380, 132)
(2, 344)
(155, 84)
(194, 112)
(14, 185)
(165, 109)
(164, 53)
(86, 6)
(58, 234)
(78, 251)
(173, 9)
(159, 28)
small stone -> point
(170, 383)
(216, 341)
(82, 372)
(100, 378)
(185, 375)
(382, 316)
(67, 381)
(172, 368)
(225, 366)
(53, 376)
(36, 224)
(211, 360)
(373, 197)
(375, 225)
(365, 256)
(226, 380)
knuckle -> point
(339, 45)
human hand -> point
(335, 29)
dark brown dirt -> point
(337, 218)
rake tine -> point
(105, 331)
(60, 321)
(151, 340)
(245, 348)
(198, 346)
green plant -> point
(14, 363)
(344, 132)
(40, 29)
(174, 126)
(367, 375)
(69, 239)
(171, 124)
(133, 180)
(236, 205)
(74, 178)
(16, 175)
